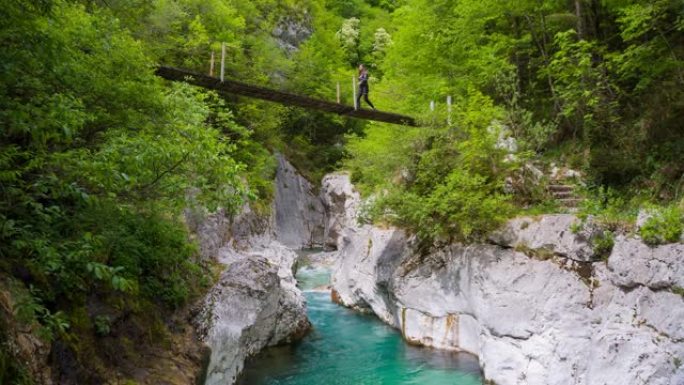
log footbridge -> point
(233, 87)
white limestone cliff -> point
(557, 317)
(256, 302)
(299, 213)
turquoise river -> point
(347, 348)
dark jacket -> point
(363, 82)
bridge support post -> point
(449, 110)
(356, 106)
(432, 110)
(223, 59)
(211, 65)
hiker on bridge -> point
(363, 87)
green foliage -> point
(30, 309)
(376, 156)
(152, 254)
(447, 183)
(604, 95)
(102, 325)
(313, 141)
(609, 208)
(603, 244)
(348, 36)
(464, 206)
(678, 290)
(12, 372)
(581, 87)
(576, 227)
(665, 225)
(96, 157)
(562, 85)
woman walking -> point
(363, 87)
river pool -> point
(348, 348)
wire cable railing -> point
(343, 85)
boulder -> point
(633, 263)
(254, 305)
(256, 302)
(562, 234)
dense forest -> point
(594, 85)
(98, 157)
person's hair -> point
(362, 69)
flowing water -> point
(347, 348)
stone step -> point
(563, 194)
(570, 202)
(561, 187)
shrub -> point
(678, 290)
(664, 226)
(603, 245)
(609, 208)
(441, 183)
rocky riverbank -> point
(534, 306)
(256, 302)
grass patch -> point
(664, 226)
(678, 290)
(542, 253)
(603, 245)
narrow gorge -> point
(534, 305)
(341, 192)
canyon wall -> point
(256, 302)
(535, 305)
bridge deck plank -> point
(229, 86)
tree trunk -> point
(579, 114)
(519, 66)
(580, 22)
(596, 12)
(542, 43)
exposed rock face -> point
(634, 264)
(21, 341)
(362, 274)
(550, 232)
(557, 320)
(299, 213)
(290, 33)
(212, 231)
(341, 202)
(256, 302)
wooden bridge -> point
(233, 87)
